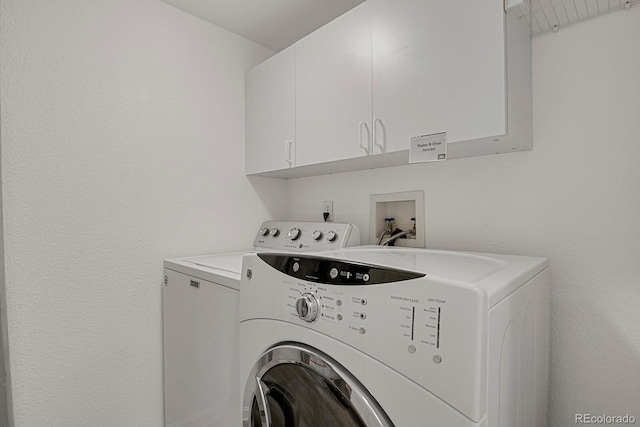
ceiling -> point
(272, 23)
(280, 23)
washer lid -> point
(222, 268)
(230, 262)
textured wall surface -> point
(574, 198)
(122, 145)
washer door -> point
(294, 385)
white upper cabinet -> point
(390, 70)
(270, 114)
(438, 66)
(333, 90)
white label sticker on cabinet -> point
(428, 148)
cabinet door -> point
(270, 114)
(333, 90)
(438, 66)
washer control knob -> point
(332, 236)
(294, 233)
(317, 235)
(307, 307)
(274, 232)
(264, 231)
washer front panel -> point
(429, 330)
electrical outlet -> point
(327, 210)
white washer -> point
(399, 337)
(200, 312)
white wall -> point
(122, 145)
(575, 199)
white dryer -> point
(200, 316)
(374, 336)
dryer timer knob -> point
(307, 307)
(294, 233)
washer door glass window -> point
(293, 385)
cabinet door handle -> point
(365, 147)
(287, 152)
(383, 146)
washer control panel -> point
(317, 294)
(306, 236)
(412, 319)
(332, 271)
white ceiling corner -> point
(275, 24)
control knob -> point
(332, 236)
(274, 232)
(264, 231)
(294, 233)
(317, 235)
(307, 307)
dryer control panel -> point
(304, 236)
